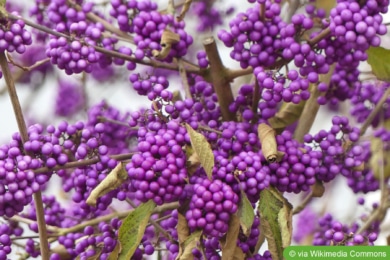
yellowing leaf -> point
(115, 253)
(133, 228)
(379, 59)
(246, 214)
(379, 162)
(193, 161)
(203, 150)
(229, 243)
(327, 5)
(276, 221)
(288, 114)
(112, 181)
(188, 245)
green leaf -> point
(246, 214)
(379, 163)
(133, 228)
(276, 221)
(190, 243)
(379, 59)
(203, 150)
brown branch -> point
(152, 63)
(120, 215)
(118, 157)
(109, 27)
(219, 79)
(232, 74)
(255, 100)
(184, 79)
(374, 112)
(40, 214)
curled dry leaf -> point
(167, 39)
(113, 180)
(268, 142)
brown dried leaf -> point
(167, 39)
(112, 181)
(183, 231)
(184, 10)
(229, 244)
(268, 142)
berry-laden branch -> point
(118, 157)
(44, 246)
(115, 54)
(219, 79)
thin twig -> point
(374, 112)
(184, 79)
(120, 215)
(152, 63)
(40, 213)
(304, 203)
(255, 101)
(155, 224)
(118, 157)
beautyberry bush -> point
(204, 155)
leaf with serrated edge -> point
(275, 218)
(112, 181)
(379, 59)
(133, 228)
(246, 214)
(188, 245)
(203, 149)
(229, 244)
